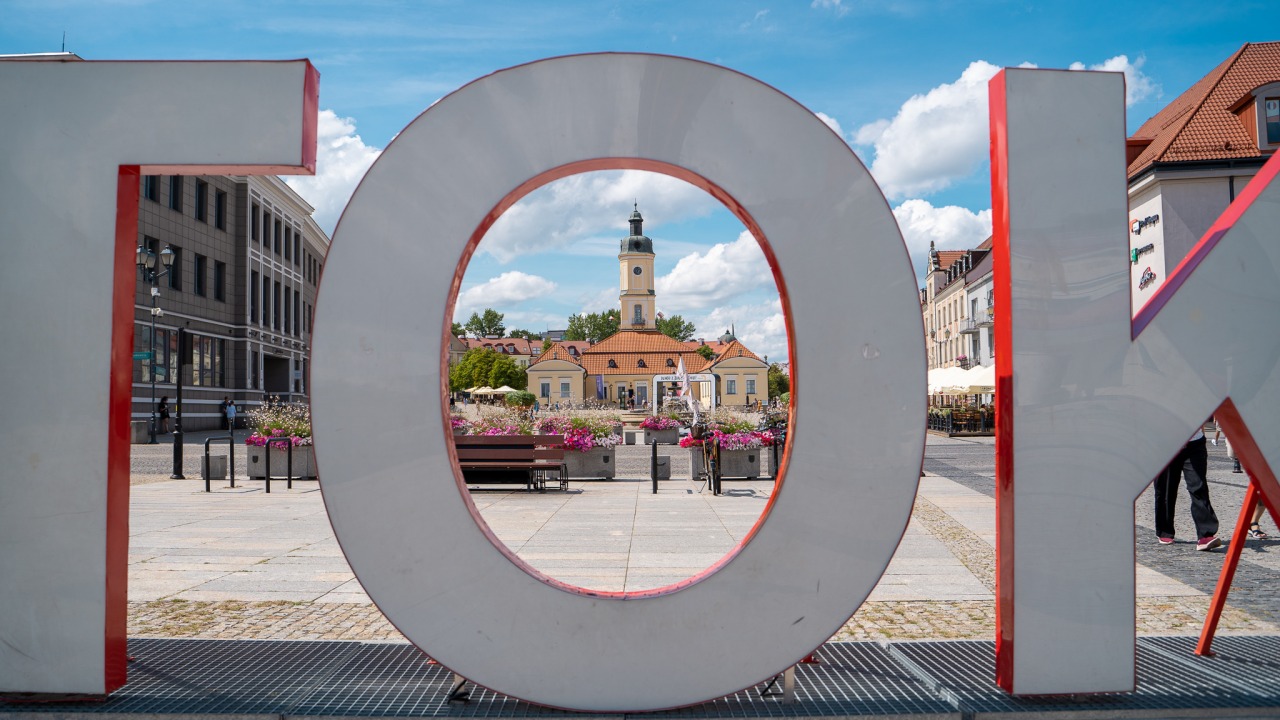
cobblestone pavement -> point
(969, 462)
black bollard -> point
(653, 466)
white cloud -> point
(724, 271)
(831, 123)
(835, 5)
(341, 161)
(942, 136)
(1137, 86)
(935, 138)
(950, 228)
(568, 211)
(758, 20)
(761, 327)
(507, 290)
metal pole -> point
(653, 465)
(154, 294)
(289, 467)
(266, 471)
(231, 458)
(177, 407)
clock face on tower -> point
(636, 270)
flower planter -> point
(595, 463)
(670, 436)
(733, 463)
(740, 463)
(304, 462)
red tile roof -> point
(626, 348)
(946, 258)
(733, 350)
(510, 346)
(1201, 124)
(557, 351)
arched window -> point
(613, 363)
(671, 363)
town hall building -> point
(624, 365)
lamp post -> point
(147, 267)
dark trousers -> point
(1192, 462)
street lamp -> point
(147, 267)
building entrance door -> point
(275, 377)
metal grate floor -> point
(917, 679)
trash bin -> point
(217, 468)
(664, 467)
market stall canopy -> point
(504, 390)
(981, 380)
(471, 389)
(486, 390)
(943, 380)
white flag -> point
(684, 378)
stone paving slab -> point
(232, 549)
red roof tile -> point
(557, 351)
(733, 350)
(1200, 123)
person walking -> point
(1191, 462)
(222, 408)
(1231, 452)
(162, 409)
(231, 415)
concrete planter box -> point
(670, 436)
(217, 468)
(594, 463)
(304, 462)
(740, 463)
(733, 463)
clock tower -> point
(635, 262)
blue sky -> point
(903, 81)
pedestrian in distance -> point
(231, 415)
(1191, 462)
(162, 409)
(222, 408)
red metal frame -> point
(1000, 272)
(1251, 498)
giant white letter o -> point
(853, 315)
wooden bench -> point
(508, 459)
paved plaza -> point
(240, 563)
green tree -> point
(779, 381)
(458, 330)
(706, 352)
(484, 324)
(526, 334)
(505, 371)
(676, 327)
(521, 399)
(474, 368)
(546, 345)
(594, 326)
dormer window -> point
(640, 363)
(671, 363)
(1259, 112)
(573, 350)
(613, 363)
(1271, 118)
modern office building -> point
(246, 260)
